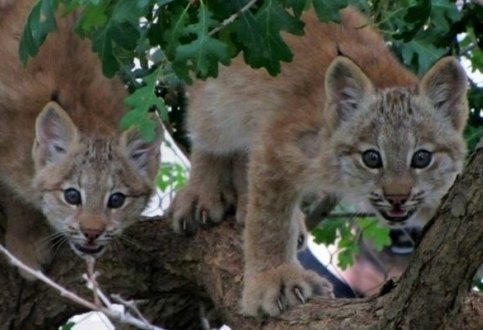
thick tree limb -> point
(176, 275)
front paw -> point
(199, 206)
(273, 291)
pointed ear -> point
(445, 85)
(144, 155)
(346, 86)
(54, 132)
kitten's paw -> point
(192, 208)
(273, 291)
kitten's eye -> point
(116, 200)
(372, 158)
(421, 159)
(72, 196)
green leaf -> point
(298, 6)
(67, 326)
(444, 14)
(169, 29)
(347, 255)
(376, 232)
(420, 54)
(141, 102)
(171, 175)
(125, 35)
(345, 259)
(113, 29)
(202, 54)
(93, 17)
(326, 232)
(102, 44)
(415, 18)
(40, 22)
(129, 11)
(328, 10)
(260, 36)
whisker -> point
(57, 245)
(48, 238)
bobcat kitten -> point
(65, 160)
(358, 124)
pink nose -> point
(397, 200)
(91, 234)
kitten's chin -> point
(84, 250)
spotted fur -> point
(349, 125)
(59, 130)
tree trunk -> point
(178, 277)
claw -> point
(204, 217)
(300, 241)
(299, 295)
(280, 305)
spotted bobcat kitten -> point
(359, 125)
(62, 156)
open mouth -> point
(395, 217)
(93, 250)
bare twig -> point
(131, 304)
(94, 287)
(111, 313)
(232, 18)
(91, 278)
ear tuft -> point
(144, 155)
(345, 86)
(445, 85)
(55, 132)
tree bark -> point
(177, 277)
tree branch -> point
(179, 276)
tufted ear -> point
(54, 134)
(445, 85)
(144, 155)
(346, 86)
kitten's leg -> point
(240, 180)
(274, 280)
(208, 196)
(26, 233)
(6, 3)
(240, 175)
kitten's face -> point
(91, 188)
(401, 157)
(398, 149)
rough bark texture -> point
(177, 275)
